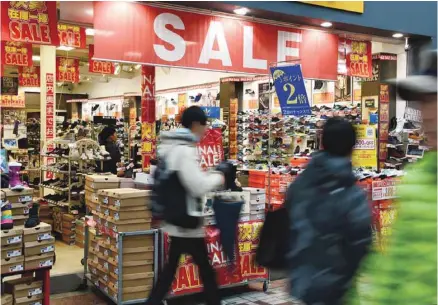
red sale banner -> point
(29, 76)
(99, 66)
(359, 58)
(210, 149)
(67, 69)
(50, 117)
(72, 36)
(12, 101)
(187, 278)
(163, 36)
(16, 53)
(30, 21)
(148, 131)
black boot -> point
(33, 219)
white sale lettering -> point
(248, 51)
(215, 32)
(210, 155)
(178, 43)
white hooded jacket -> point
(178, 149)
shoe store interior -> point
(51, 183)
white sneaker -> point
(84, 156)
(103, 151)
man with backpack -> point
(330, 221)
(179, 187)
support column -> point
(48, 95)
(148, 133)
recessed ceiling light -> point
(326, 24)
(36, 58)
(64, 48)
(397, 35)
(90, 32)
(241, 11)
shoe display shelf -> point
(134, 144)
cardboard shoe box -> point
(38, 233)
(19, 220)
(7, 299)
(126, 197)
(13, 264)
(12, 236)
(38, 261)
(21, 208)
(12, 250)
(130, 293)
(25, 287)
(102, 181)
(39, 247)
(18, 197)
(127, 213)
(34, 300)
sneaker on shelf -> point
(409, 126)
(393, 140)
(396, 153)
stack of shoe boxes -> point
(80, 233)
(7, 299)
(93, 183)
(257, 202)
(123, 210)
(20, 204)
(207, 205)
(69, 228)
(26, 290)
(39, 246)
(12, 254)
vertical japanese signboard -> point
(365, 150)
(29, 76)
(148, 132)
(30, 22)
(359, 58)
(67, 69)
(16, 53)
(50, 117)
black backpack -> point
(169, 198)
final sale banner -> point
(210, 149)
(30, 21)
(16, 53)
(72, 36)
(187, 279)
(29, 76)
(67, 69)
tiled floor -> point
(68, 259)
(252, 295)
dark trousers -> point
(197, 249)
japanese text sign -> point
(16, 53)
(50, 116)
(290, 89)
(29, 76)
(72, 36)
(13, 101)
(384, 189)
(359, 58)
(30, 21)
(67, 69)
(365, 150)
(99, 66)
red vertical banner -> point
(148, 133)
(16, 53)
(67, 69)
(72, 36)
(50, 116)
(359, 58)
(29, 76)
(383, 123)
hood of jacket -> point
(330, 172)
(170, 139)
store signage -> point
(99, 66)
(9, 85)
(30, 21)
(212, 112)
(72, 36)
(359, 58)
(349, 6)
(187, 278)
(384, 189)
(161, 36)
(148, 129)
(210, 149)
(16, 53)
(413, 115)
(365, 150)
(290, 89)
(29, 76)
(50, 117)
(13, 101)
(67, 69)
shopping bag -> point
(227, 215)
(274, 240)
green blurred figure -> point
(406, 273)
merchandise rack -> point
(120, 237)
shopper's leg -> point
(208, 275)
(165, 278)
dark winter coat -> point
(114, 151)
(330, 230)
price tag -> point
(116, 271)
(16, 268)
(24, 198)
(107, 213)
(35, 291)
(48, 249)
(117, 203)
(385, 189)
(116, 216)
(44, 236)
(106, 252)
(105, 265)
(46, 263)
(367, 144)
(13, 240)
(13, 253)
(115, 229)
(105, 200)
(25, 211)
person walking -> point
(179, 154)
(330, 221)
(406, 273)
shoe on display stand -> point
(33, 219)
(14, 176)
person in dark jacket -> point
(330, 221)
(108, 137)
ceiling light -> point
(397, 35)
(117, 69)
(137, 67)
(65, 48)
(36, 58)
(326, 24)
(90, 32)
(241, 11)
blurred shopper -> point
(179, 185)
(330, 221)
(108, 138)
(407, 272)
